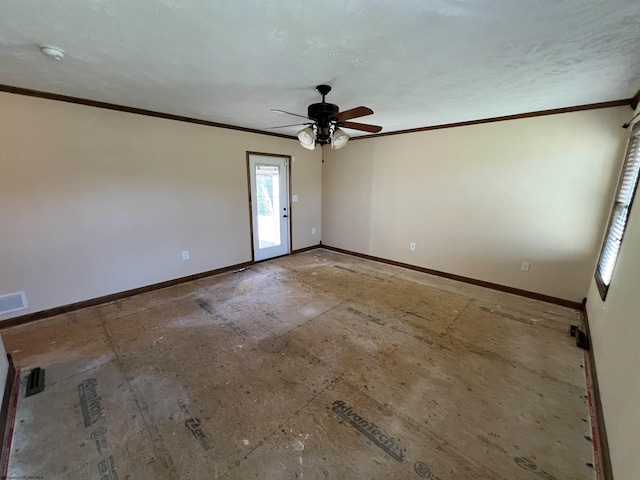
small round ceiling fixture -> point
(53, 52)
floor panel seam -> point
(169, 461)
(281, 425)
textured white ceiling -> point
(415, 63)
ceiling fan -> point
(327, 122)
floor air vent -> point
(582, 339)
(35, 382)
(13, 302)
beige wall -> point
(94, 201)
(615, 330)
(479, 200)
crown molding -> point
(137, 111)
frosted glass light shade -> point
(339, 139)
(307, 138)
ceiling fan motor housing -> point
(322, 112)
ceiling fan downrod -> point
(323, 90)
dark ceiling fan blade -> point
(292, 125)
(294, 114)
(361, 126)
(353, 113)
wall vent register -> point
(12, 302)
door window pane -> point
(268, 198)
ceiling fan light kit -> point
(326, 122)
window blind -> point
(620, 213)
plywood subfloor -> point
(313, 366)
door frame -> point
(289, 162)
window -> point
(619, 214)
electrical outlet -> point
(412, 246)
(185, 254)
(525, 266)
(313, 231)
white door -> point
(269, 178)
